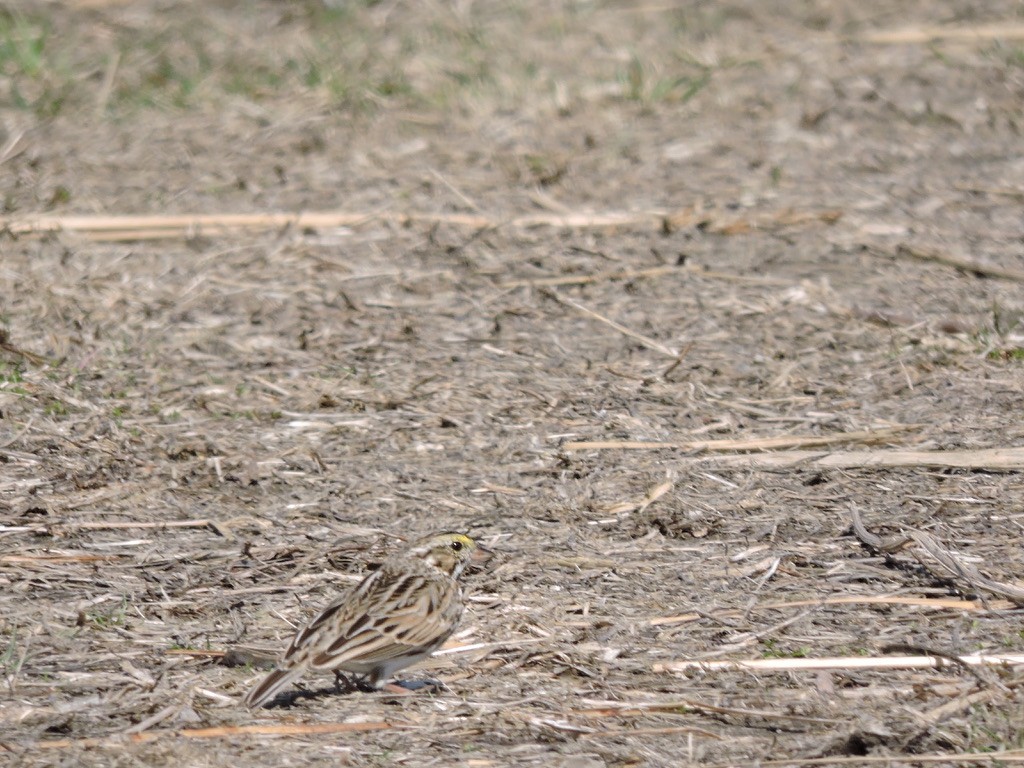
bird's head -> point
(450, 552)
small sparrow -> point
(397, 616)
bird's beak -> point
(481, 555)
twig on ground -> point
(69, 557)
(959, 32)
(992, 758)
(620, 733)
(840, 662)
(877, 543)
(952, 260)
(957, 705)
(647, 342)
(940, 654)
(150, 227)
(19, 434)
(923, 602)
(747, 444)
(627, 708)
(678, 361)
(992, 459)
(747, 638)
(7, 346)
(639, 274)
(108, 526)
(216, 732)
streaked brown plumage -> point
(395, 617)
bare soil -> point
(204, 437)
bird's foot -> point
(345, 684)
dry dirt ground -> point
(573, 232)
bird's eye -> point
(457, 546)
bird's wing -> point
(386, 619)
(306, 637)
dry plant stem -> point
(877, 543)
(220, 732)
(149, 227)
(950, 708)
(948, 656)
(992, 459)
(32, 357)
(155, 719)
(752, 444)
(18, 435)
(959, 262)
(678, 361)
(13, 146)
(647, 342)
(619, 709)
(749, 637)
(842, 662)
(924, 602)
(633, 732)
(638, 274)
(978, 758)
(111, 526)
(64, 558)
(970, 34)
(114, 228)
(975, 189)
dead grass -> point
(643, 296)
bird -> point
(395, 617)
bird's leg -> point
(365, 684)
(354, 682)
(344, 684)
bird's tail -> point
(270, 685)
